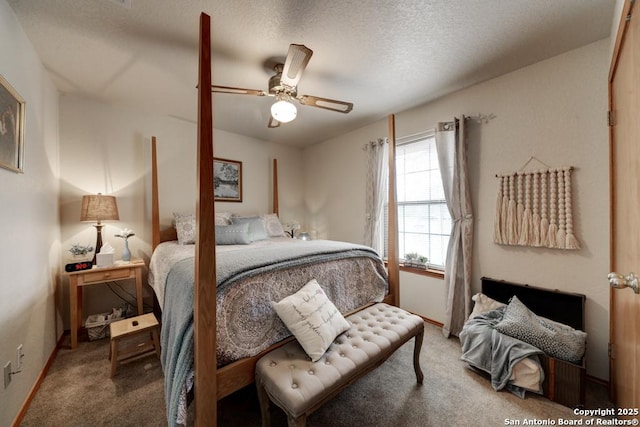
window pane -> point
(424, 223)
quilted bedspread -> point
(248, 280)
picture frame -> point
(227, 180)
(12, 118)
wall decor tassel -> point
(520, 203)
(553, 198)
(526, 226)
(535, 236)
(561, 237)
(535, 209)
(504, 209)
(571, 240)
(497, 232)
(544, 218)
(512, 221)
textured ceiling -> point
(384, 56)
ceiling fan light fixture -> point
(283, 111)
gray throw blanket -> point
(486, 349)
(177, 331)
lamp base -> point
(98, 242)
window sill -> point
(438, 274)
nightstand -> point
(78, 279)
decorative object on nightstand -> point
(304, 236)
(99, 208)
(290, 228)
(125, 234)
(79, 258)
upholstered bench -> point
(289, 378)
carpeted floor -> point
(79, 392)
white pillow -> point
(312, 319)
(185, 228)
(484, 304)
(272, 225)
(223, 218)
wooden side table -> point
(116, 272)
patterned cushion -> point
(234, 234)
(555, 339)
(272, 225)
(256, 226)
(312, 319)
(185, 228)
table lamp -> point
(99, 208)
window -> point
(424, 223)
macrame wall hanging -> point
(534, 208)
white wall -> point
(30, 242)
(554, 110)
(105, 148)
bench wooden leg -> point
(263, 398)
(301, 421)
(416, 356)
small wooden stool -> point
(129, 328)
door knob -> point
(619, 281)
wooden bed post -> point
(392, 256)
(155, 208)
(205, 260)
(275, 186)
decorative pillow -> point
(256, 227)
(555, 339)
(484, 304)
(223, 218)
(234, 234)
(185, 228)
(312, 319)
(272, 225)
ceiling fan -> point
(284, 87)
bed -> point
(559, 379)
(212, 380)
(248, 278)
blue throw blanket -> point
(177, 331)
(486, 349)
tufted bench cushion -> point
(289, 378)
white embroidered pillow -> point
(185, 228)
(272, 225)
(312, 318)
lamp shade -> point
(283, 111)
(99, 208)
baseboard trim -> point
(598, 381)
(32, 393)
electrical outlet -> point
(7, 374)
(19, 357)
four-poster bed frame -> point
(213, 383)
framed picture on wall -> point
(227, 180)
(12, 111)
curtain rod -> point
(481, 118)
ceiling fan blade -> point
(273, 123)
(237, 90)
(326, 103)
(297, 60)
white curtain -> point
(377, 174)
(452, 157)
